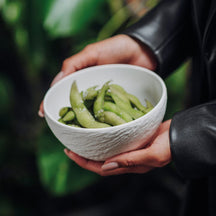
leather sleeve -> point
(167, 31)
(193, 141)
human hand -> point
(156, 154)
(117, 49)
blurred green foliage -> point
(57, 172)
(177, 90)
(67, 18)
(36, 36)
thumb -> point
(85, 58)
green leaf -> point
(115, 22)
(58, 173)
(11, 11)
(176, 88)
(69, 17)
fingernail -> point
(58, 77)
(40, 114)
(68, 152)
(110, 166)
(65, 151)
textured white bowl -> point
(100, 144)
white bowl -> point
(100, 144)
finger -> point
(76, 62)
(41, 110)
(164, 126)
(161, 129)
(83, 59)
(136, 158)
(58, 77)
(125, 170)
(94, 166)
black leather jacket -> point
(176, 30)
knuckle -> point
(91, 50)
(130, 163)
(102, 174)
(65, 62)
(160, 161)
(156, 159)
(88, 48)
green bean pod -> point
(83, 116)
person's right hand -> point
(118, 49)
(154, 155)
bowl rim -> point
(152, 73)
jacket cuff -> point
(193, 141)
(166, 32)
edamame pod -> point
(108, 98)
(60, 120)
(120, 92)
(136, 102)
(109, 106)
(63, 111)
(69, 116)
(99, 102)
(149, 106)
(132, 98)
(90, 94)
(123, 102)
(113, 119)
(83, 116)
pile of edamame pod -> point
(108, 106)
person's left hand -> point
(156, 154)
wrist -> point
(142, 53)
(150, 58)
